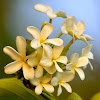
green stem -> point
(47, 93)
(66, 48)
(47, 96)
(50, 21)
(59, 35)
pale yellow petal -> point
(12, 53)
(82, 61)
(54, 41)
(38, 89)
(48, 51)
(57, 50)
(13, 67)
(39, 71)
(28, 71)
(34, 32)
(46, 31)
(69, 66)
(83, 39)
(66, 76)
(50, 70)
(21, 45)
(47, 77)
(88, 38)
(35, 81)
(74, 57)
(80, 73)
(59, 90)
(61, 14)
(35, 43)
(46, 62)
(90, 65)
(51, 15)
(67, 87)
(58, 67)
(63, 29)
(90, 55)
(54, 81)
(49, 88)
(42, 8)
(62, 59)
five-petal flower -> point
(75, 63)
(61, 79)
(42, 82)
(51, 58)
(48, 10)
(71, 27)
(20, 59)
(41, 38)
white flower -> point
(34, 62)
(51, 58)
(42, 82)
(86, 52)
(48, 10)
(75, 63)
(61, 79)
(41, 38)
(20, 59)
(71, 27)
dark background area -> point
(16, 15)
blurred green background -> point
(16, 15)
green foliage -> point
(74, 96)
(13, 89)
(96, 96)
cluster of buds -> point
(47, 65)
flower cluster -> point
(47, 65)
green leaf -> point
(96, 96)
(74, 96)
(13, 89)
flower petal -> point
(46, 62)
(51, 15)
(28, 71)
(48, 51)
(39, 71)
(86, 50)
(13, 67)
(80, 73)
(35, 81)
(46, 31)
(12, 53)
(34, 32)
(91, 65)
(63, 29)
(50, 70)
(60, 13)
(35, 43)
(33, 61)
(66, 76)
(55, 41)
(49, 88)
(74, 57)
(57, 50)
(83, 39)
(47, 77)
(42, 8)
(80, 27)
(88, 38)
(68, 66)
(82, 61)
(57, 67)
(38, 89)
(90, 55)
(21, 45)
(67, 87)
(62, 59)
(59, 90)
(54, 81)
